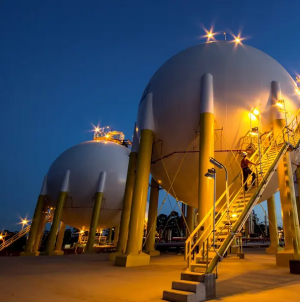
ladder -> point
(14, 238)
(231, 219)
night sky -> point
(67, 64)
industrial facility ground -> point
(92, 278)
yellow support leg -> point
(288, 205)
(273, 229)
(37, 216)
(152, 217)
(127, 201)
(60, 239)
(57, 218)
(134, 255)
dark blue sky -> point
(67, 64)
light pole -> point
(211, 174)
(221, 166)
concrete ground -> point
(92, 278)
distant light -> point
(1, 237)
(159, 181)
(210, 35)
(81, 232)
(237, 40)
(280, 103)
(234, 215)
(255, 111)
(107, 135)
(97, 129)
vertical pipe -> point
(152, 217)
(273, 228)
(60, 237)
(133, 256)
(95, 215)
(37, 216)
(206, 150)
(57, 215)
(127, 200)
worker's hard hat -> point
(244, 153)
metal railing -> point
(271, 150)
(14, 238)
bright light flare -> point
(255, 111)
(279, 104)
(234, 215)
(209, 34)
(237, 39)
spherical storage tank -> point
(85, 162)
(242, 77)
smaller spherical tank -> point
(85, 162)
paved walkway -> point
(92, 278)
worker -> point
(246, 170)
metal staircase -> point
(25, 231)
(206, 246)
(14, 238)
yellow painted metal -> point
(190, 220)
(55, 223)
(152, 216)
(298, 197)
(40, 232)
(60, 236)
(273, 229)
(32, 237)
(116, 235)
(205, 185)
(94, 222)
(109, 236)
(242, 218)
(287, 196)
(139, 201)
(127, 201)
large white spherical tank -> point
(242, 77)
(85, 162)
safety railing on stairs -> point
(14, 238)
(271, 150)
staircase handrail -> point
(12, 239)
(188, 247)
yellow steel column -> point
(286, 188)
(152, 217)
(134, 255)
(206, 150)
(95, 215)
(116, 234)
(298, 187)
(273, 229)
(190, 220)
(109, 236)
(60, 238)
(37, 216)
(40, 232)
(127, 200)
(57, 217)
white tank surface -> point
(242, 77)
(85, 162)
